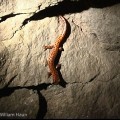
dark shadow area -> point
(42, 106)
(70, 6)
(7, 91)
(3, 18)
(12, 79)
(66, 7)
(62, 83)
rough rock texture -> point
(90, 62)
(19, 102)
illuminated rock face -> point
(90, 62)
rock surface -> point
(90, 62)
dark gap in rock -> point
(7, 91)
(10, 81)
(42, 106)
(68, 6)
(103, 3)
(93, 78)
(7, 16)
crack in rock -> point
(3, 18)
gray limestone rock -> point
(90, 62)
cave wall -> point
(90, 62)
